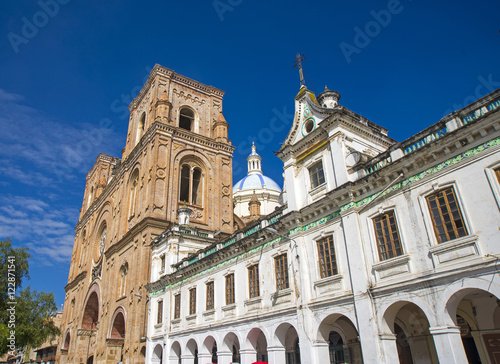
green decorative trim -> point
(315, 223)
(447, 163)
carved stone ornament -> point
(96, 271)
(160, 173)
(196, 214)
(188, 97)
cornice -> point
(75, 281)
(339, 115)
(102, 157)
(143, 224)
(159, 70)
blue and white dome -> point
(255, 180)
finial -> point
(298, 62)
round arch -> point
(280, 333)
(175, 351)
(411, 324)
(391, 307)
(208, 345)
(231, 343)
(157, 355)
(191, 349)
(257, 340)
(342, 337)
(197, 179)
(456, 291)
(287, 336)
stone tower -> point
(177, 154)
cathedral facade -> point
(382, 252)
(177, 154)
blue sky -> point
(69, 69)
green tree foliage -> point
(33, 310)
(20, 271)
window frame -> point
(210, 295)
(177, 306)
(493, 176)
(159, 312)
(195, 192)
(436, 235)
(192, 301)
(310, 173)
(322, 271)
(163, 260)
(230, 289)
(253, 281)
(192, 119)
(385, 212)
(282, 276)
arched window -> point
(71, 310)
(191, 185)
(100, 242)
(82, 248)
(140, 127)
(186, 119)
(134, 186)
(91, 195)
(123, 280)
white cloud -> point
(7, 96)
(60, 150)
(48, 233)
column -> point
(419, 347)
(389, 348)
(321, 353)
(276, 354)
(224, 357)
(449, 346)
(187, 359)
(247, 356)
(172, 359)
(204, 358)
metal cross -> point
(298, 62)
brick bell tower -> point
(177, 154)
